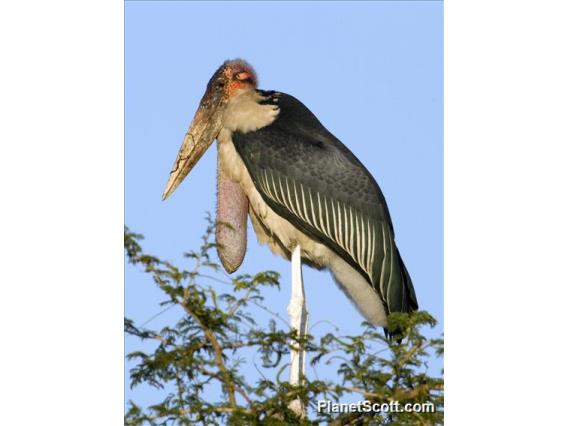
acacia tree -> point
(199, 361)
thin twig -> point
(325, 321)
(271, 313)
(239, 302)
(153, 317)
(214, 279)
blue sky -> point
(371, 71)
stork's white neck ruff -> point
(244, 113)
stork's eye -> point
(243, 76)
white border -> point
(61, 87)
(61, 166)
(506, 116)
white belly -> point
(282, 237)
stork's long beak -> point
(203, 130)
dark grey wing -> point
(306, 175)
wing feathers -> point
(349, 228)
(310, 178)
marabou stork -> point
(304, 191)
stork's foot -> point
(298, 408)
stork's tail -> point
(404, 299)
(409, 302)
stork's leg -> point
(298, 313)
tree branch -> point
(210, 336)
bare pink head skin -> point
(236, 74)
(230, 79)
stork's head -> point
(231, 79)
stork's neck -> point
(246, 113)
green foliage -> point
(199, 360)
